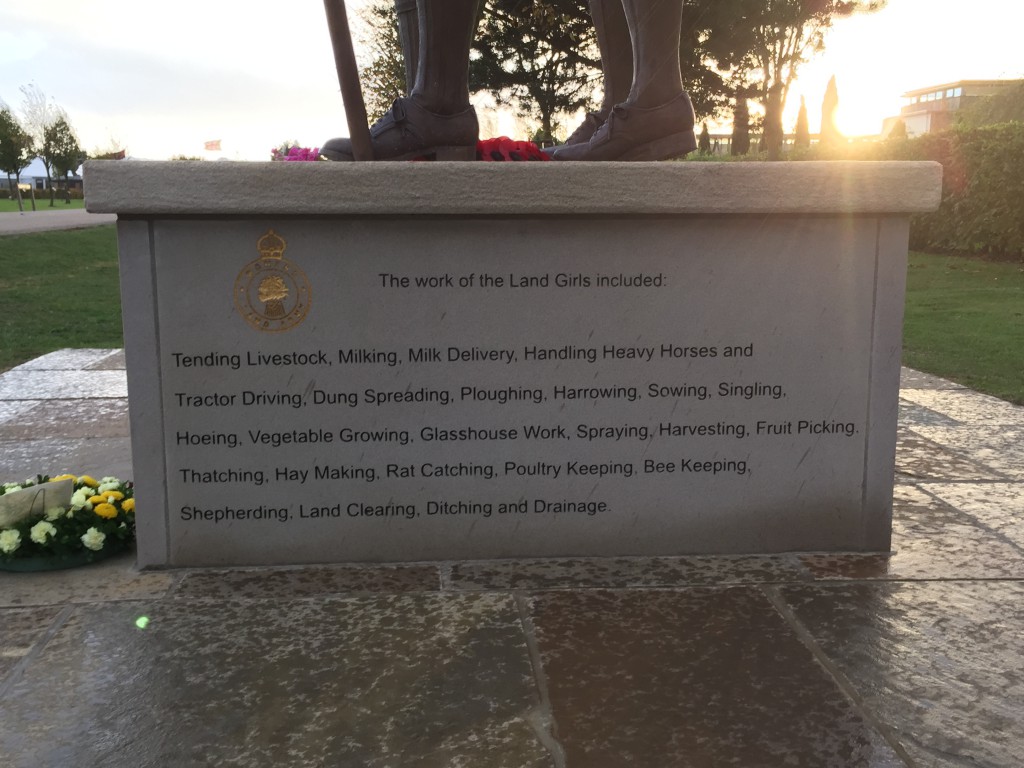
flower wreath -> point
(64, 516)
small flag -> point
(212, 146)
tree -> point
(1003, 107)
(740, 127)
(540, 57)
(898, 132)
(802, 137)
(38, 114)
(382, 73)
(830, 135)
(764, 42)
(16, 150)
(61, 152)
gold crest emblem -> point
(271, 293)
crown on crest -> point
(271, 245)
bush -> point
(982, 189)
(982, 185)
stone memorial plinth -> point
(423, 361)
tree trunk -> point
(773, 123)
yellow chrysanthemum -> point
(97, 499)
(62, 477)
(105, 510)
(112, 496)
(90, 481)
(128, 505)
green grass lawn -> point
(965, 321)
(58, 289)
(42, 204)
(964, 316)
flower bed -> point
(64, 521)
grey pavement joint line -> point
(541, 718)
(838, 677)
(37, 648)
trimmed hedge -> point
(982, 209)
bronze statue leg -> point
(616, 50)
(435, 121)
(655, 34)
(409, 35)
(655, 121)
(446, 30)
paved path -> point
(46, 220)
(908, 658)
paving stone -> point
(20, 629)
(112, 579)
(698, 677)
(930, 540)
(572, 573)
(912, 414)
(112, 362)
(412, 680)
(69, 418)
(44, 385)
(939, 663)
(72, 360)
(310, 581)
(998, 448)
(966, 406)
(999, 506)
(55, 456)
(918, 458)
(911, 379)
(12, 410)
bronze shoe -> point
(410, 132)
(583, 132)
(632, 133)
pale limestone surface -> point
(544, 189)
(808, 270)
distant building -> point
(932, 109)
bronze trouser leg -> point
(616, 50)
(408, 33)
(654, 26)
(446, 30)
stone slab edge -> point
(150, 188)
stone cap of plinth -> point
(153, 188)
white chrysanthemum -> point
(9, 541)
(80, 498)
(109, 481)
(40, 531)
(94, 539)
(53, 513)
(104, 487)
(12, 487)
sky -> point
(161, 79)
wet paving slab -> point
(20, 630)
(920, 459)
(101, 417)
(999, 448)
(930, 540)
(910, 657)
(309, 581)
(62, 385)
(700, 677)
(74, 360)
(406, 680)
(938, 662)
(575, 573)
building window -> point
(958, 91)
